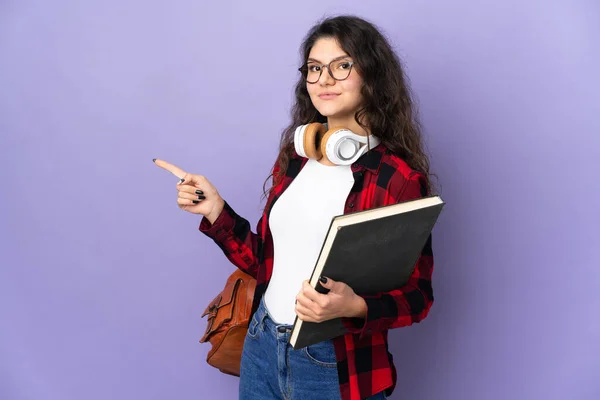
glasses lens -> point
(313, 73)
(341, 69)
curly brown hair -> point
(387, 110)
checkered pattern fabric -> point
(365, 366)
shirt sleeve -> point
(233, 235)
(410, 303)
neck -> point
(348, 123)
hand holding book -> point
(339, 301)
(373, 251)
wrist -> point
(216, 211)
(359, 307)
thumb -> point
(190, 179)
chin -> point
(328, 110)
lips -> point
(328, 95)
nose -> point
(326, 79)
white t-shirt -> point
(299, 221)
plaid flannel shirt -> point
(365, 366)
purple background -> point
(103, 279)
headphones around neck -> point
(339, 145)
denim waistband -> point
(266, 320)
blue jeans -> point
(272, 369)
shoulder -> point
(393, 162)
(292, 164)
(291, 155)
(400, 180)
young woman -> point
(350, 78)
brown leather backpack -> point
(228, 319)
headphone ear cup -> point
(323, 146)
(312, 136)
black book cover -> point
(371, 251)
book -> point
(371, 251)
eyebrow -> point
(335, 59)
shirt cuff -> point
(370, 323)
(222, 227)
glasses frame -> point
(304, 70)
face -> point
(335, 99)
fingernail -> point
(181, 180)
(199, 192)
(201, 197)
(154, 160)
(323, 279)
(195, 201)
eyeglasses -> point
(338, 70)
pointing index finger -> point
(178, 172)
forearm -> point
(400, 307)
(358, 308)
(233, 235)
(214, 214)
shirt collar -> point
(371, 160)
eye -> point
(342, 65)
(314, 68)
